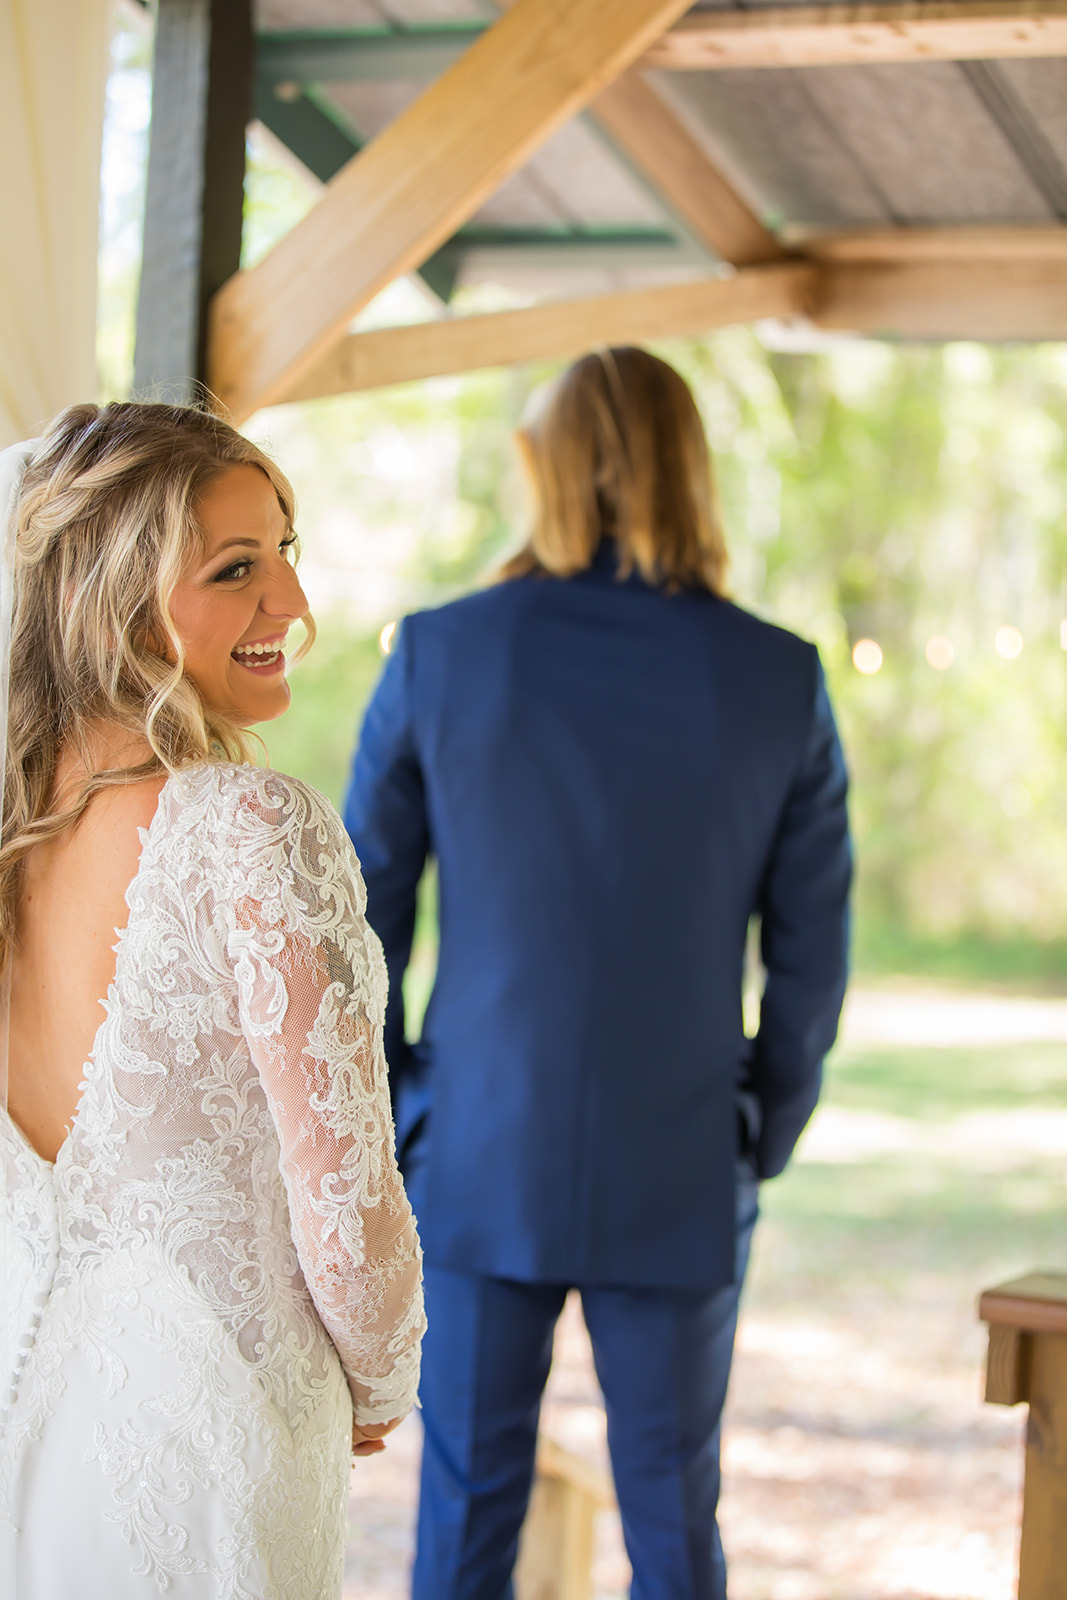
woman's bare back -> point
(73, 899)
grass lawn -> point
(922, 1161)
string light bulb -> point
(867, 657)
(1008, 642)
(940, 652)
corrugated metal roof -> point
(831, 147)
(852, 145)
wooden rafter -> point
(821, 36)
(655, 141)
(417, 183)
(955, 299)
(965, 245)
(555, 331)
(766, 36)
(923, 283)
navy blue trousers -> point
(663, 1361)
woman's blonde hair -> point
(617, 449)
(106, 523)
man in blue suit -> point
(615, 769)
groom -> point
(615, 769)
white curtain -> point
(53, 76)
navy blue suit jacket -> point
(613, 780)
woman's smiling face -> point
(233, 605)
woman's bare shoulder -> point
(127, 804)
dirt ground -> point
(912, 1494)
(859, 1460)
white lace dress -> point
(223, 1239)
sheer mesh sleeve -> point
(311, 984)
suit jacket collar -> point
(604, 569)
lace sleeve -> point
(311, 985)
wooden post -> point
(1028, 1362)
(989, 300)
(556, 1549)
(201, 106)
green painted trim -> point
(600, 248)
(563, 238)
(375, 56)
(314, 137)
(319, 136)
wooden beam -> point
(201, 105)
(556, 1549)
(555, 1461)
(1006, 1366)
(869, 35)
(768, 36)
(1034, 1303)
(553, 332)
(988, 300)
(966, 245)
(655, 141)
(417, 183)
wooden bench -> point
(1027, 1363)
(556, 1549)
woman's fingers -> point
(368, 1439)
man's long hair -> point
(616, 449)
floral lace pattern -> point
(223, 1239)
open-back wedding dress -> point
(223, 1238)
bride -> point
(211, 1282)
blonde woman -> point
(615, 769)
(212, 1286)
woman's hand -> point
(369, 1440)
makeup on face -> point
(233, 607)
